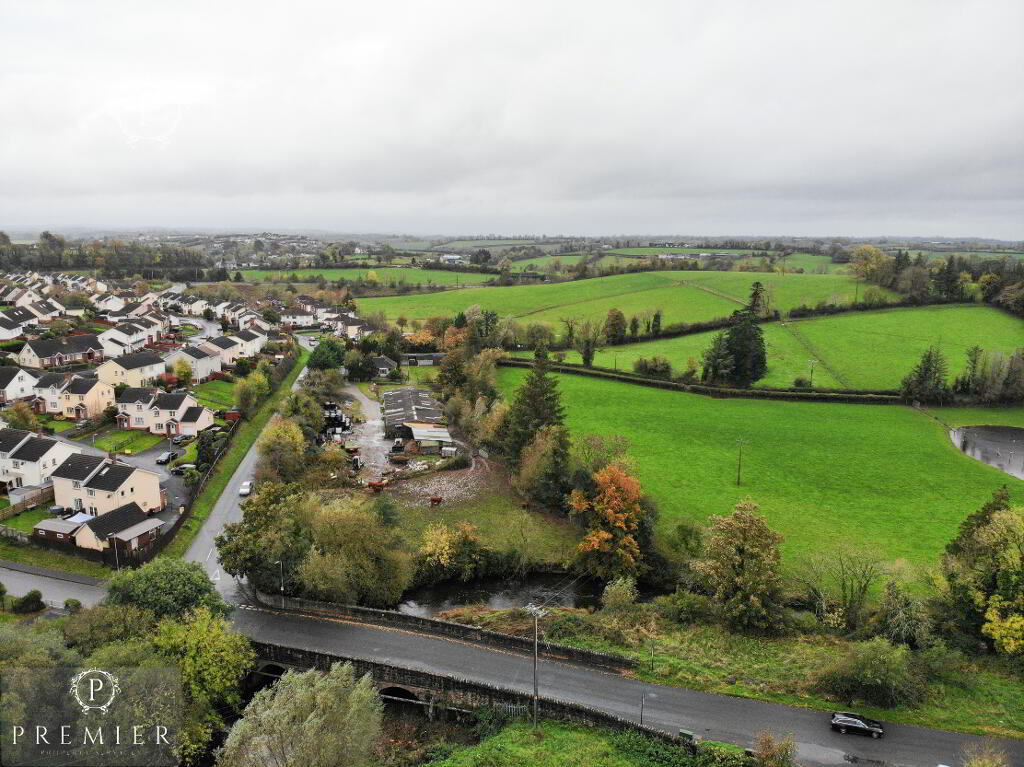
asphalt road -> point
(714, 717)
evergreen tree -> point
(927, 381)
(537, 404)
(718, 361)
(745, 342)
(615, 327)
(656, 323)
(758, 303)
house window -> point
(16, 464)
(76, 485)
(60, 535)
(92, 510)
(78, 504)
(91, 492)
(139, 406)
(138, 422)
(122, 493)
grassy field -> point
(216, 395)
(53, 423)
(27, 519)
(682, 296)
(385, 275)
(246, 437)
(656, 251)
(129, 441)
(867, 350)
(542, 263)
(474, 244)
(887, 477)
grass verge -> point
(247, 435)
(30, 555)
(27, 519)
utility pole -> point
(281, 563)
(739, 460)
(537, 613)
(642, 696)
(813, 363)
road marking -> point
(208, 554)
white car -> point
(245, 489)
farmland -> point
(867, 350)
(882, 476)
(655, 251)
(383, 275)
(683, 296)
(543, 263)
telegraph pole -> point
(537, 613)
(739, 460)
(813, 363)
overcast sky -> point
(592, 117)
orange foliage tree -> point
(612, 517)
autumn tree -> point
(741, 566)
(615, 327)
(303, 410)
(166, 587)
(543, 475)
(282, 448)
(20, 416)
(451, 552)
(250, 392)
(308, 719)
(183, 372)
(612, 518)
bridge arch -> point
(394, 691)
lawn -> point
(385, 275)
(216, 395)
(246, 437)
(27, 519)
(30, 555)
(543, 263)
(867, 350)
(887, 477)
(57, 426)
(129, 441)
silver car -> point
(245, 489)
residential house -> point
(124, 338)
(384, 365)
(108, 302)
(15, 321)
(84, 397)
(47, 353)
(196, 306)
(139, 369)
(46, 391)
(128, 529)
(159, 413)
(422, 360)
(227, 348)
(28, 460)
(46, 309)
(297, 318)
(252, 343)
(97, 485)
(16, 384)
(204, 363)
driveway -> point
(369, 435)
(175, 485)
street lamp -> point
(281, 563)
(536, 612)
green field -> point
(27, 519)
(866, 350)
(656, 251)
(682, 296)
(129, 441)
(543, 263)
(475, 244)
(888, 477)
(384, 275)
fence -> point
(40, 496)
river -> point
(998, 446)
(540, 588)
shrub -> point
(619, 594)
(567, 626)
(73, 606)
(30, 603)
(801, 383)
(712, 755)
(941, 663)
(641, 749)
(685, 607)
(457, 461)
(876, 672)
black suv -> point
(845, 722)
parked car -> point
(167, 457)
(180, 439)
(83, 423)
(245, 489)
(844, 722)
(179, 470)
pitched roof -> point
(139, 528)
(67, 345)
(111, 476)
(9, 438)
(132, 395)
(138, 360)
(79, 385)
(117, 520)
(9, 372)
(222, 342)
(46, 380)
(195, 352)
(246, 335)
(33, 449)
(169, 401)
(78, 466)
(192, 414)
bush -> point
(32, 602)
(642, 749)
(567, 626)
(712, 755)
(803, 622)
(72, 606)
(619, 594)
(876, 672)
(685, 607)
(801, 383)
(457, 461)
(941, 663)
